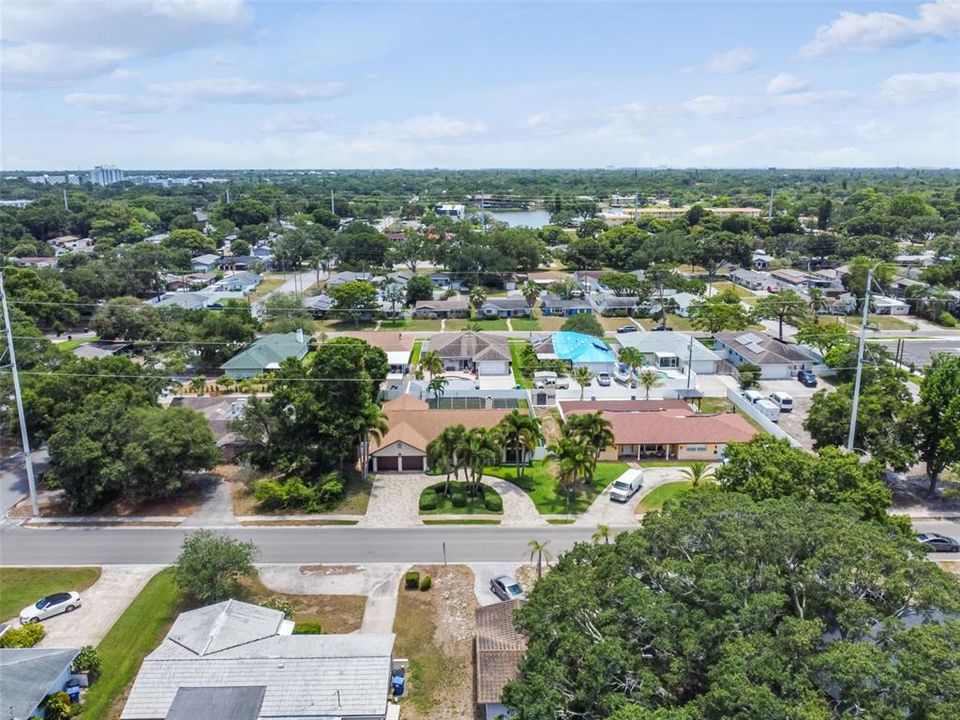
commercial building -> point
(106, 175)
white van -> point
(752, 396)
(544, 379)
(782, 400)
(769, 410)
(627, 485)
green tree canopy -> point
(584, 323)
(210, 564)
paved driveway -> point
(604, 511)
(483, 573)
(793, 388)
(103, 603)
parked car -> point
(659, 327)
(626, 329)
(782, 400)
(752, 396)
(506, 587)
(49, 606)
(627, 485)
(935, 542)
(806, 377)
(603, 379)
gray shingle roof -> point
(224, 625)
(26, 676)
(676, 343)
(217, 703)
(469, 344)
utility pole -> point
(856, 384)
(28, 461)
(66, 204)
(331, 202)
(770, 209)
(690, 363)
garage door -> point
(387, 463)
(413, 463)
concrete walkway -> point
(603, 511)
(102, 604)
(518, 508)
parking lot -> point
(792, 422)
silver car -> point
(50, 605)
(506, 587)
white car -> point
(49, 606)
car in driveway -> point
(806, 377)
(506, 587)
(603, 379)
(50, 605)
(626, 329)
(627, 485)
(935, 542)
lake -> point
(522, 218)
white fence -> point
(762, 420)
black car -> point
(660, 327)
(935, 542)
(806, 377)
(626, 329)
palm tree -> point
(602, 533)
(431, 362)
(371, 423)
(582, 377)
(521, 432)
(574, 462)
(593, 431)
(648, 378)
(538, 549)
(442, 453)
(631, 357)
(437, 385)
(818, 301)
(531, 291)
(478, 448)
(697, 472)
(478, 296)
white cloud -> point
(870, 32)
(848, 156)
(731, 61)
(295, 121)
(427, 127)
(911, 88)
(874, 130)
(124, 74)
(753, 105)
(52, 42)
(241, 90)
(123, 103)
(784, 83)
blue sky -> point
(234, 84)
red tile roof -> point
(572, 407)
(674, 427)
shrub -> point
(412, 580)
(88, 659)
(307, 628)
(284, 606)
(429, 500)
(331, 487)
(210, 564)
(425, 583)
(492, 501)
(296, 493)
(946, 319)
(270, 494)
(458, 497)
(278, 495)
(23, 637)
(57, 706)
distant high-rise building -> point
(106, 175)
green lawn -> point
(525, 324)
(880, 322)
(465, 521)
(413, 324)
(714, 405)
(21, 586)
(659, 495)
(138, 631)
(415, 353)
(455, 324)
(68, 346)
(474, 505)
(741, 292)
(495, 325)
(515, 348)
(561, 521)
(540, 483)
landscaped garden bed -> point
(439, 499)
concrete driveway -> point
(102, 604)
(604, 511)
(793, 388)
(483, 573)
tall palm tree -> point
(478, 448)
(648, 379)
(371, 423)
(582, 377)
(442, 453)
(593, 431)
(521, 433)
(531, 291)
(602, 533)
(818, 301)
(697, 472)
(431, 362)
(574, 462)
(478, 296)
(631, 357)
(437, 385)
(538, 549)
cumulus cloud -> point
(241, 90)
(123, 103)
(124, 74)
(47, 42)
(296, 121)
(911, 88)
(870, 32)
(874, 130)
(426, 127)
(731, 61)
(753, 105)
(784, 83)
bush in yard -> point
(947, 319)
(57, 706)
(23, 637)
(492, 501)
(284, 606)
(458, 498)
(210, 565)
(88, 659)
(285, 494)
(425, 583)
(428, 499)
(307, 628)
(412, 580)
(330, 489)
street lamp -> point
(863, 336)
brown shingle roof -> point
(572, 407)
(673, 427)
(409, 420)
(499, 648)
(475, 345)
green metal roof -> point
(268, 350)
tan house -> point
(435, 309)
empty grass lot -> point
(335, 613)
(21, 586)
(540, 483)
(659, 495)
(496, 325)
(525, 324)
(881, 322)
(517, 365)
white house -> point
(666, 350)
(776, 360)
(889, 306)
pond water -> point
(522, 218)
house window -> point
(696, 448)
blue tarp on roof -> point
(580, 348)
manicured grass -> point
(540, 483)
(741, 292)
(413, 324)
(21, 586)
(415, 353)
(455, 324)
(561, 521)
(659, 495)
(343, 325)
(267, 285)
(525, 324)
(550, 322)
(68, 346)
(474, 504)
(517, 363)
(498, 324)
(465, 521)
(714, 405)
(882, 322)
(138, 631)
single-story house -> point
(36, 262)
(399, 362)
(240, 661)
(761, 261)
(611, 305)
(499, 647)
(545, 278)
(506, 307)
(469, 351)
(777, 360)
(672, 350)
(411, 425)
(347, 276)
(590, 279)
(240, 262)
(319, 305)
(578, 349)
(673, 433)
(219, 412)
(190, 281)
(241, 282)
(786, 277)
(441, 280)
(102, 349)
(680, 303)
(434, 309)
(205, 263)
(750, 279)
(551, 304)
(889, 306)
(266, 353)
(185, 300)
(28, 676)
(903, 284)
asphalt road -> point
(320, 545)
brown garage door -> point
(413, 463)
(387, 463)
